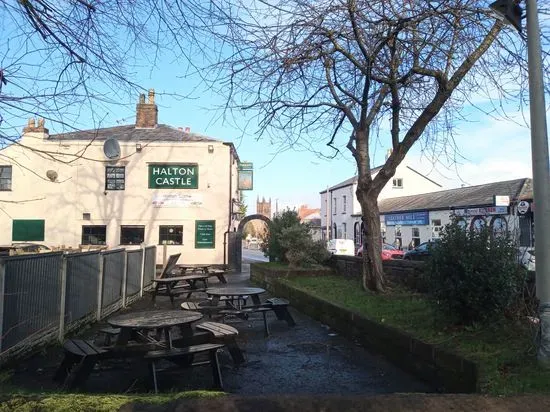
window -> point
(5, 177)
(478, 223)
(132, 235)
(398, 183)
(334, 231)
(94, 235)
(334, 206)
(27, 230)
(171, 235)
(344, 231)
(461, 222)
(415, 237)
(344, 205)
(499, 226)
(436, 228)
(397, 242)
(115, 177)
(357, 234)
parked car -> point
(389, 252)
(341, 247)
(422, 252)
(253, 243)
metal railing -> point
(46, 295)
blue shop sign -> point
(407, 219)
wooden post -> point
(124, 278)
(2, 297)
(142, 278)
(63, 299)
(100, 285)
(164, 256)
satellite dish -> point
(111, 148)
(52, 175)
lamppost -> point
(511, 12)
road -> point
(251, 255)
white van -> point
(341, 247)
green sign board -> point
(173, 176)
(205, 234)
(245, 166)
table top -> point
(181, 278)
(152, 319)
(194, 266)
(234, 291)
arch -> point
(235, 247)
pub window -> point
(499, 226)
(132, 235)
(5, 177)
(115, 177)
(94, 235)
(344, 205)
(461, 222)
(436, 228)
(415, 237)
(478, 223)
(171, 235)
(398, 183)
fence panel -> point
(150, 265)
(133, 272)
(82, 273)
(113, 268)
(32, 291)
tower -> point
(263, 207)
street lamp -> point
(511, 12)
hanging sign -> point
(523, 207)
(246, 176)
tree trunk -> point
(373, 271)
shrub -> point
(474, 276)
(289, 241)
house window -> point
(334, 206)
(436, 228)
(415, 237)
(344, 231)
(344, 205)
(398, 183)
(94, 235)
(132, 235)
(27, 230)
(499, 226)
(115, 177)
(171, 235)
(5, 177)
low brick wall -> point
(265, 276)
(445, 371)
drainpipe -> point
(226, 234)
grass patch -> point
(505, 352)
(100, 403)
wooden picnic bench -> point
(225, 334)
(187, 354)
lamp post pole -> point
(541, 178)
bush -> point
(474, 276)
(289, 241)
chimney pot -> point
(151, 96)
(187, 130)
(32, 127)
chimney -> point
(147, 113)
(36, 131)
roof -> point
(351, 181)
(480, 195)
(129, 133)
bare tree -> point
(322, 71)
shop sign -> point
(502, 200)
(177, 200)
(407, 219)
(173, 176)
(523, 207)
(481, 211)
(205, 234)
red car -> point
(388, 252)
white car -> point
(341, 247)
(253, 243)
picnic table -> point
(206, 269)
(160, 320)
(236, 295)
(171, 287)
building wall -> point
(80, 188)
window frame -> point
(397, 183)
(115, 179)
(10, 179)
(90, 234)
(344, 204)
(127, 227)
(167, 227)
(335, 206)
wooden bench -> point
(280, 307)
(227, 335)
(80, 359)
(188, 353)
(245, 311)
(108, 334)
(219, 273)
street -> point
(253, 255)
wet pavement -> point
(306, 359)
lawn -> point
(505, 352)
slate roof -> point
(350, 181)
(480, 195)
(129, 133)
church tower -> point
(263, 207)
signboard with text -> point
(177, 200)
(246, 176)
(205, 234)
(173, 176)
(481, 211)
(407, 219)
